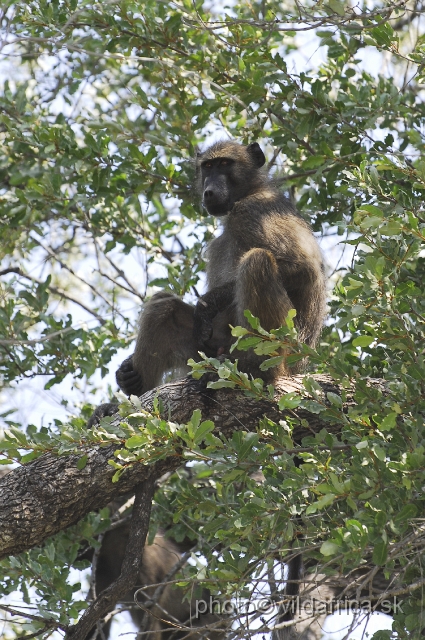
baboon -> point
(169, 610)
(266, 260)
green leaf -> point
(81, 463)
(384, 34)
(267, 347)
(358, 310)
(363, 444)
(408, 512)
(337, 6)
(380, 553)
(290, 318)
(363, 341)
(382, 635)
(250, 440)
(221, 384)
(379, 452)
(370, 222)
(196, 419)
(32, 455)
(18, 435)
(271, 362)
(389, 422)
(334, 399)
(248, 343)
(117, 475)
(239, 331)
(289, 401)
(391, 228)
(369, 209)
(253, 321)
(314, 161)
(326, 500)
(204, 428)
(136, 441)
(339, 486)
(323, 502)
(329, 548)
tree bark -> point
(49, 494)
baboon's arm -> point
(207, 307)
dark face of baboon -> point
(228, 172)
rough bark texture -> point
(50, 494)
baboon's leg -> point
(259, 289)
(165, 339)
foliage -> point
(102, 112)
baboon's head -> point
(227, 172)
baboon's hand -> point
(129, 380)
(212, 303)
(202, 323)
(103, 410)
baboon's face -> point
(228, 173)
(219, 185)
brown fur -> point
(266, 260)
(159, 559)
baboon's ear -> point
(256, 152)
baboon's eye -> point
(208, 164)
(225, 161)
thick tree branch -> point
(50, 494)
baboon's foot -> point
(102, 411)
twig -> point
(53, 255)
(53, 289)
